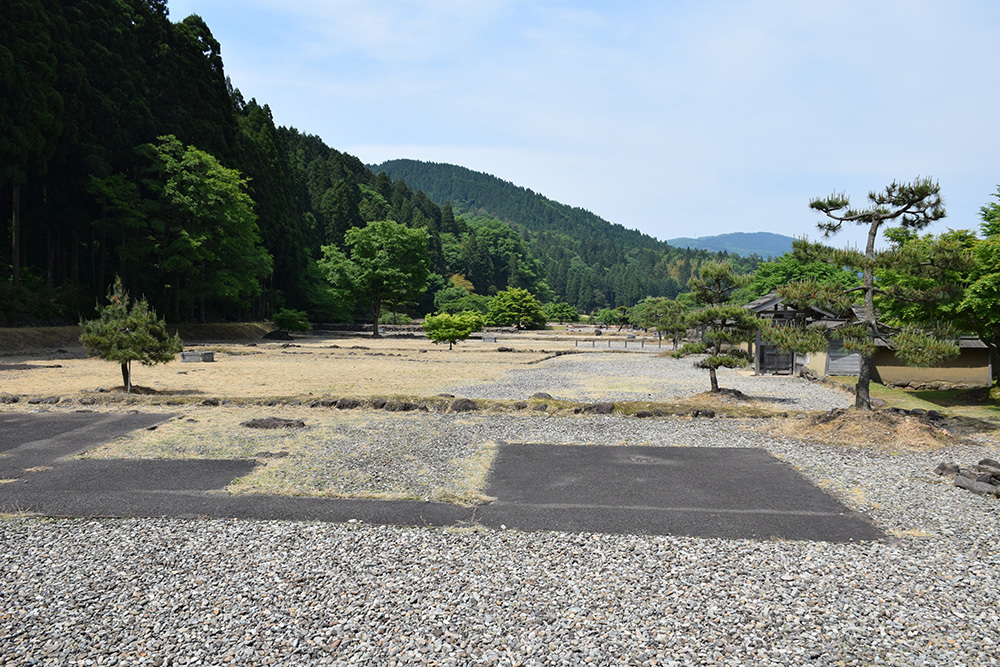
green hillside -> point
(587, 261)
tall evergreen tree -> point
(911, 205)
(31, 106)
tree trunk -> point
(376, 310)
(15, 235)
(862, 393)
(862, 396)
(127, 376)
(715, 380)
(100, 286)
(50, 257)
(74, 258)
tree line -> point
(125, 151)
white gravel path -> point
(144, 592)
(638, 376)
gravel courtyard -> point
(164, 592)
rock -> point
(603, 408)
(274, 422)
(446, 395)
(520, 405)
(88, 400)
(348, 404)
(378, 403)
(323, 403)
(400, 406)
(541, 394)
(879, 403)
(597, 332)
(9, 398)
(993, 463)
(213, 402)
(505, 349)
(992, 470)
(703, 413)
(278, 335)
(464, 405)
(542, 407)
(947, 469)
(48, 400)
(643, 414)
(976, 487)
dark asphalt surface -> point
(707, 492)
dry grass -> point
(339, 454)
(313, 366)
(869, 429)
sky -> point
(673, 117)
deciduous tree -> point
(386, 263)
(516, 307)
(448, 328)
(561, 312)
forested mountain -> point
(764, 244)
(588, 261)
(125, 150)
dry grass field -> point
(309, 366)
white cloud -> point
(677, 118)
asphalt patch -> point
(737, 493)
(92, 476)
(698, 491)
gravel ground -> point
(644, 376)
(216, 592)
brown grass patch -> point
(310, 367)
(868, 429)
(330, 457)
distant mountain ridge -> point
(478, 193)
(765, 244)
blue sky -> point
(676, 117)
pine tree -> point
(724, 325)
(913, 206)
(128, 331)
